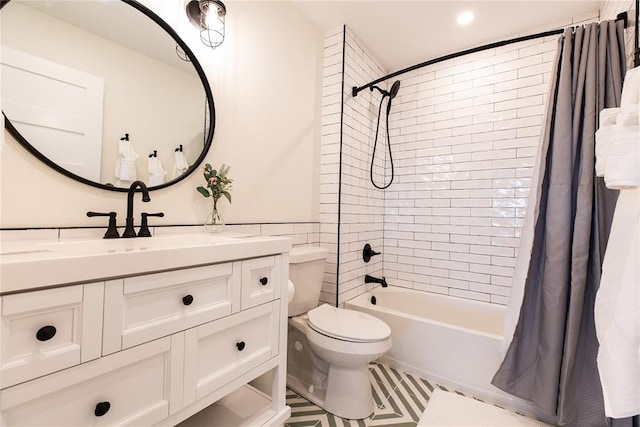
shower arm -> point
(382, 91)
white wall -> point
(266, 84)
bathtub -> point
(450, 341)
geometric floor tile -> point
(400, 399)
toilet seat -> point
(347, 325)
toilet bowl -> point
(329, 348)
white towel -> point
(608, 117)
(156, 172)
(617, 311)
(617, 305)
(126, 163)
(623, 159)
(181, 165)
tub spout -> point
(371, 279)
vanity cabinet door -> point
(218, 352)
(128, 388)
(49, 330)
(261, 280)
(144, 308)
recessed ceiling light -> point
(465, 18)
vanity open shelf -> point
(144, 335)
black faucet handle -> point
(112, 230)
(367, 253)
(144, 223)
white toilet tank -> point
(306, 271)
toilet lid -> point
(348, 325)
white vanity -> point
(143, 331)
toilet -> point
(329, 349)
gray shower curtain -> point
(551, 361)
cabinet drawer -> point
(141, 309)
(220, 351)
(133, 383)
(261, 280)
(46, 331)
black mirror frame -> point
(209, 96)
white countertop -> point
(32, 264)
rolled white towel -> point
(608, 117)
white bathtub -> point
(450, 341)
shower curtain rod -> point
(621, 16)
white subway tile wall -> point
(465, 135)
(361, 205)
(452, 224)
(300, 233)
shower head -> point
(395, 87)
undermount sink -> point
(98, 246)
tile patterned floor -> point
(400, 400)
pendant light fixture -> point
(208, 17)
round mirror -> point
(104, 92)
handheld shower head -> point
(395, 87)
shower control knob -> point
(264, 281)
(367, 253)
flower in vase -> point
(218, 183)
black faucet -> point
(371, 279)
(129, 231)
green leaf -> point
(203, 191)
(208, 166)
(227, 195)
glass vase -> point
(214, 222)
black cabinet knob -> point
(102, 408)
(264, 281)
(46, 333)
(187, 300)
(240, 345)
